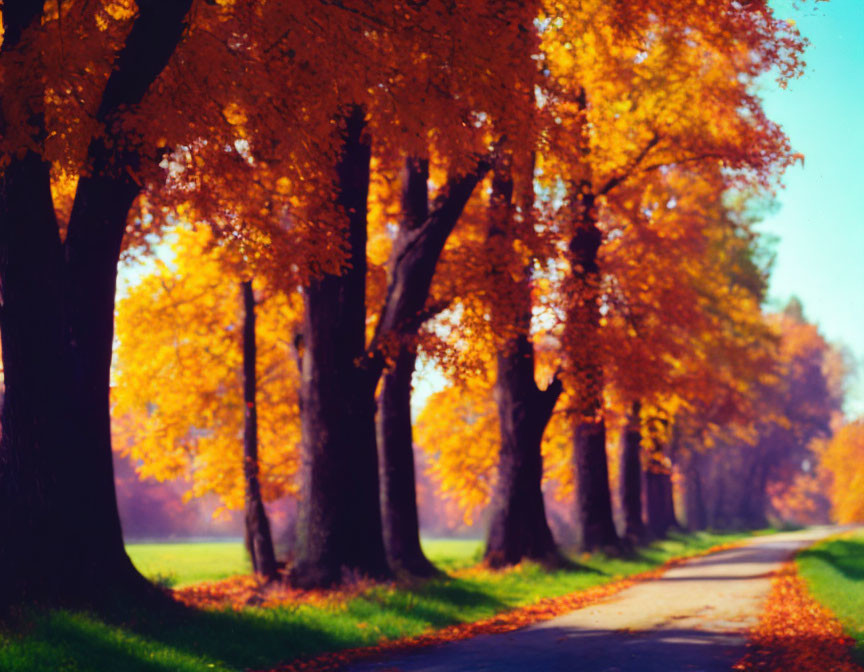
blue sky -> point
(820, 222)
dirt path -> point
(694, 618)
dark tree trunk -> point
(694, 499)
(594, 499)
(659, 498)
(631, 478)
(418, 246)
(668, 494)
(79, 494)
(92, 251)
(518, 528)
(31, 449)
(339, 519)
(92, 248)
(654, 503)
(31, 332)
(259, 542)
(394, 429)
(398, 485)
(752, 509)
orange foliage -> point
(843, 458)
(178, 385)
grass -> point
(834, 572)
(178, 564)
(189, 640)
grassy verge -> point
(834, 572)
(178, 564)
(190, 640)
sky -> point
(820, 221)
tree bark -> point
(394, 428)
(31, 449)
(80, 495)
(695, 514)
(31, 332)
(594, 499)
(631, 478)
(259, 541)
(659, 497)
(418, 246)
(339, 525)
(398, 483)
(518, 527)
(654, 503)
(92, 251)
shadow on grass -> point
(178, 638)
(183, 639)
(844, 555)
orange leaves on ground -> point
(243, 591)
(796, 633)
(542, 610)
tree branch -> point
(618, 179)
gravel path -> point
(694, 618)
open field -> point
(178, 564)
(834, 571)
(203, 641)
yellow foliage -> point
(844, 460)
(178, 395)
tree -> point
(518, 528)
(841, 459)
(610, 135)
(188, 387)
(71, 279)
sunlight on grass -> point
(834, 571)
(182, 563)
(177, 564)
(135, 640)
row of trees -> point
(517, 191)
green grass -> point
(183, 639)
(834, 572)
(178, 564)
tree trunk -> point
(654, 504)
(694, 499)
(418, 246)
(81, 497)
(752, 507)
(631, 478)
(659, 498)
(594, 499)
(31, 446)
(668, 493)
(92, 248)
(339, 525)
(394, 428)
(518, 527)
(258, 538)
(398, 485)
